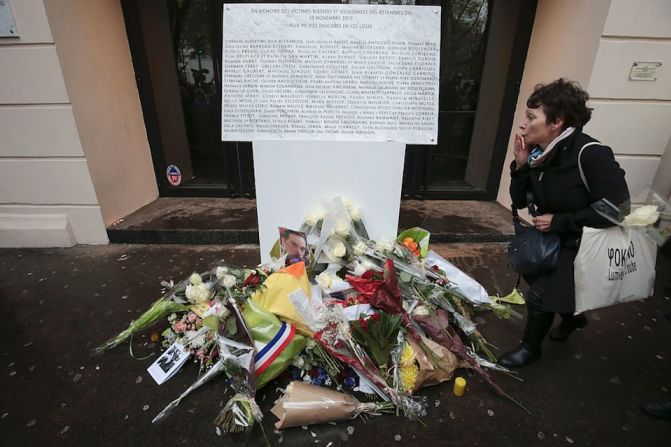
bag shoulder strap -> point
(582, 173)
(530, 206)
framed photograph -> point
(168, 363)
(294, 245)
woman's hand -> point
(521, 151)
(542, 222)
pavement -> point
(57, 304)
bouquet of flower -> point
(236, 360)
(377, 334)
(304, 404)
(416, 240)
(318, 365)
(333, 332)
(241, 411)
(199, 339)
(652, 217)
(277, 342)
(417, 370)
(172, 301)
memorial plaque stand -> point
(293, 177)
(329, 95)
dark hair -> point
(286, 233)
(562, 99)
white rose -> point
(360, 248)
(195, 279)
(298, 362)
(421, 310)
(191, 293)
(384, 244)
(315, 215)
(640, 217)
(339, 250)
(198, 294)
(221, 271)
(311, 219)
(359, 270)
(228, 280)
(342, 228)
(348, 203)
(325, 280)
(355, 214)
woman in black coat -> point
(546, 164)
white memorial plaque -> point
(330, 72)
(644, 71)
(7, 24)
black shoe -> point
(567, 326)
(521, 356)
(659, 408)
(537, 325)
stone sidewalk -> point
(57, 304)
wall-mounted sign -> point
(174, 175)
(7, 24)
(644, 71)
(331, 72)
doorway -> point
(176, 49)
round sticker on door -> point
(174, 175)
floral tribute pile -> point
(383, 318)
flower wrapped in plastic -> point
(418, 370)
(288, 294)
(377, 334)
(416, 239)
(174, 300)
(339, 233)
(303, 404)
(277, 342)
(236, 361)
(332, 332)
(438, 328)
(651, 216)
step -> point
(179, 220)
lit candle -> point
(459, 386)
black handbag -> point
(531, 251)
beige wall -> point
(93, 49)
(46, 193)
(595, 43)
(634, 117)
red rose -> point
(252, 280)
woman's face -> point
(536, 130)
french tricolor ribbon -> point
(265, 356)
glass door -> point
(176, 48)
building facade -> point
(93, 108)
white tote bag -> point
(614, 265)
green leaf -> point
(210, 322)
(514, 297)
(231, 327)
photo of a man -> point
(294, 244)
(169, 358)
